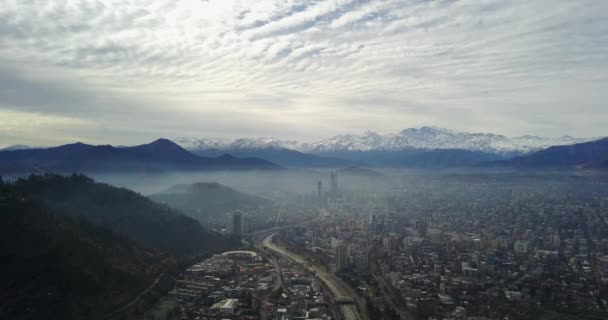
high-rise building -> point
(320, 189)
(334, 183)
(421, 227)
(234, 223)
(341, 258)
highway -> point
(335, 285)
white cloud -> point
(234, 67)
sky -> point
(131, 71)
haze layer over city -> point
(314, 159)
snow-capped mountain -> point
(429, 138)
(439, 138)
(236, 144)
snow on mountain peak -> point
(420, 138)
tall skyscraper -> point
(334, 183)
(320, 189)
(421, 227)
(341, 258)
(234, 223)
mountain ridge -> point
(411, 138)
(591, 154)
(159, 155)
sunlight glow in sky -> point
(130, 71)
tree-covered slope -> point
(58, 267)
(122, 211)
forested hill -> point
(57, 267)
(124, 212)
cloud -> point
(303, 69)
(26, 128)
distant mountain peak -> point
(162, 142)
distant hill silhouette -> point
(593, 154)
(208, 199)
(159, 155)
(281, 156)
(59, 267)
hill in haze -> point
(60, 267)
(281, 156)
(160, 155)
(208, 199)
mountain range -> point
(427, 147)
(413, 147)
(160, 155)
(426, 138)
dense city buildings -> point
(439, 247)
(245, 285)
(484, 250)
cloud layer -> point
(133, 70)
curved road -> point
(349, 311)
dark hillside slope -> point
(56, 267)
(124, 212)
